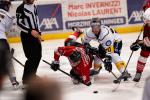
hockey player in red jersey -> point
(79, 61)
(80, 58)
(144, 44)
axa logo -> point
(136, 16)
(49, 23)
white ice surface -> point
(102, 83)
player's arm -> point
(57, 53)
(146, 41)
(61, 51)
(73, 37)
(9, 22)
(88, 36)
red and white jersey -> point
(82, 67)
(146, 16)
(146, 35)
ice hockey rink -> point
(103, 83)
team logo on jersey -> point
(108, 43)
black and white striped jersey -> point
(27, 18)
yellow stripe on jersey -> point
(120, 65)
(97, 66)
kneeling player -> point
(79, 60)
(71, 40)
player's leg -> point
(120, 64)
(140, 65)
(75, 77)
(97, 66)
(12, 76)
(7, 62)
(3, 61)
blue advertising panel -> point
(135, 11)
(50, 17)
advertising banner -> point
(61, 15)
(135, 11)
(50, 17)
(111, 12)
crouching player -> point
(80, 58)
(106, 37)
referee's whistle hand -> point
(35, 34)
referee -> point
(28, 22)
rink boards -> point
(57, 17)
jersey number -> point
(110, 49)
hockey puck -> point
(95, 91)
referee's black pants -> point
(33, 52)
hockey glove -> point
(107, 63)
(101, 51)
(55, 65)
(93, 51)
(135, 46)
(87, 48)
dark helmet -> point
(95, 22)
(75, 56)
(5, 4)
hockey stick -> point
(12, 51)
(114, 75)
(58, 69)
(111, 71)
(63, 71)
(120, 78)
